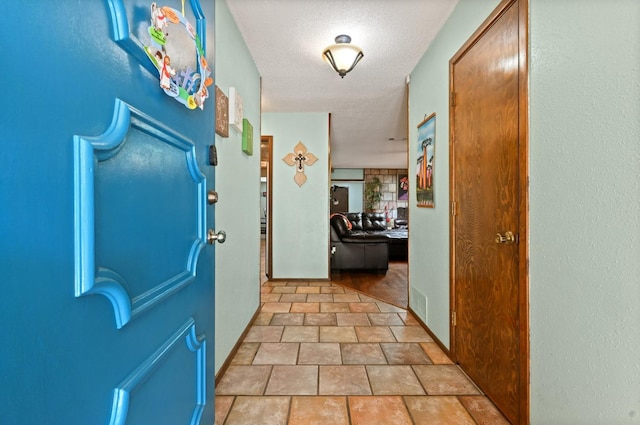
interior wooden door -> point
(487, 148)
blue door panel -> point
(106, 282)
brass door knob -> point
(508, 238)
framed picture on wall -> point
(222, 113)
(425, 162)
(403, 187)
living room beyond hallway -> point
(391, 287)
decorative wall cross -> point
(300, 157)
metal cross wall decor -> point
(300, 157)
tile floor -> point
(319, 353)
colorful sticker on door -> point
(188, 86)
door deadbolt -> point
(212, 236)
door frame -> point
(523, 187)
(268, 264)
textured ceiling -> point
(368, 107)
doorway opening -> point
(266, 153)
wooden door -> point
(488, 150)
(107, 304)
(339, 199)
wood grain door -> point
(488, 142)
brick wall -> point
(389, 179)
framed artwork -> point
(247, 137)
(177, 80)
(425, 162)
(235, 109)
(222, 113)
(403, 187)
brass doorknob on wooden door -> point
(212, 236)
(508, 238)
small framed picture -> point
(247, 137)
(426, 161)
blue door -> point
(106, 276)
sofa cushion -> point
(373, 221)
(339, 224)
(356, 220)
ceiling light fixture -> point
(343, 56)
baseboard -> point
(431, 334)
(236, 347)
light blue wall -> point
(300, 216)
(584, 198)
(429, 231)
(238, 185)
(585, 219)
(356, 190)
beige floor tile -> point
(387, 410)
(276, 307)
(305, 307)
(438, 410)
(434, 352)
(364, 307)
(367, 299)
(320, 298)
(394, 380)
(405, 353)
(246, 352)
(319, 411)
(300, 334)
(259, 410)
(320, 319)
(332, 290)
(244, 380)
(483, 410)
(293, 380)
(385, 319)
(277, 353)
(337, 334)
(344, 380)
(270, 298)
(445, 380)
(360, 353)
(388, 308)
(263, 319)
(293, 298)
(222, 407)
(320, 353)
(346, 298)
(307, 290)
(410, 334)
(287, 319)
(374, 334)
(264, 334)
(352, 319)
(266, 289)
(284, 290)
(334, 308)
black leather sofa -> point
(374, 223)
(357, 250)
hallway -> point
(320, 353)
